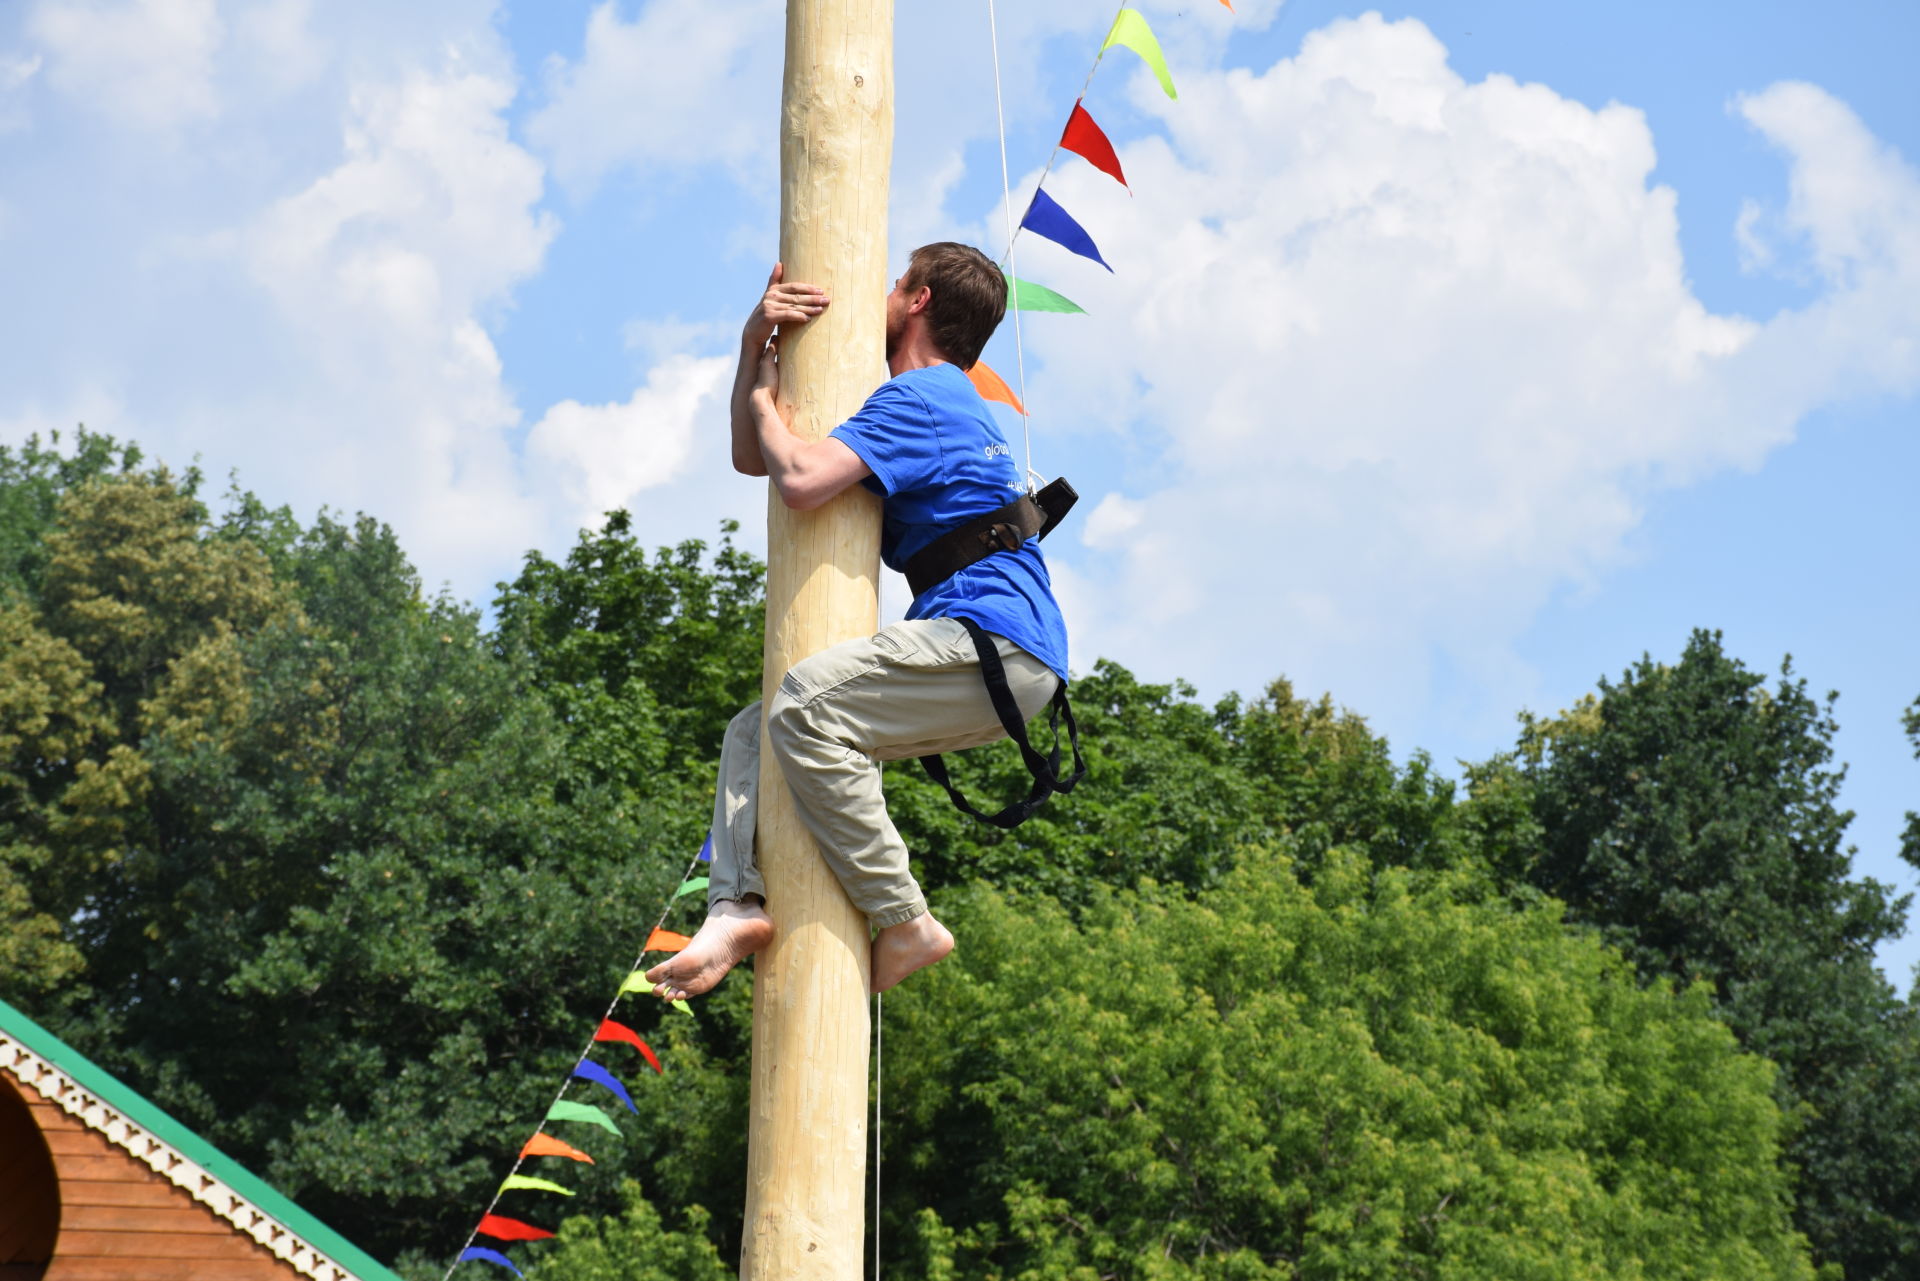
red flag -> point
(666, 941)
(992, 386)
(547, 1145)
(611, 1031)
(501, 1228)
(1085, 138)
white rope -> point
(1013, 300)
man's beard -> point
(894, 332)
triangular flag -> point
(1045, 217)
(513, 1181)
(547, 1145)
(992, 386)
(501, 1228)
(1086, 139)
(665, 941)
(693, 886)
(1229, 4)
(565, 1110)
(637, 983)
(1028, 296)
(1131, 29)
(484, 1255)
(611, 1031)
(588, 1070)
(706, 849)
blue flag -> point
(484, 1255)
(1046, 218)
(588, 1070)
(706, 850)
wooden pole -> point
(806, 1144)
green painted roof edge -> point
(108, 1088)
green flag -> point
(694, 886)
(565, 1111)
(1131, 30)
(1031, 297)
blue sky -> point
(1455, 353)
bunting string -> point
(502, 1228)
(1044, 215)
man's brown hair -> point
(969, 297)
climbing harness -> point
(1004, 529)
(1045, 769)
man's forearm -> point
(806, 475)
(778, 450)
(747, 456)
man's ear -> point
(922, 299)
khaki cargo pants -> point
(911, 689)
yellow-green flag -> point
(532, 1185)
(1131, 30)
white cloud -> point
(685, 83)
(145, 64)
(384, 266)
(604, 456)
(1854, 205)
(304, 294)
(16, 74)
(1407, 353)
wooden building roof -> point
(98, 1184)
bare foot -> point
(731, 933)
(901, 949)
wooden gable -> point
(98, 1184)
(75, 1207)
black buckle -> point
(1056, 500)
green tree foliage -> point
(1375, 1074)
(285, 848)
(137, 638)
(33, 477)
(636, 1246)
(1910, 841)
(643, 658)
(1176, 789)
(343, 878)
(1689, 812)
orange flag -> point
(547, 1145)
(666, 941)
(993, 387)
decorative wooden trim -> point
(166, 1161)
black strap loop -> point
(1045, 769)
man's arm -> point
(787, 305)
(807, 475)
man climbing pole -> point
(983, 647)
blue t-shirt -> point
(939, 460)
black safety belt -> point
(1045, 769)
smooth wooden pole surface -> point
(806, 1147)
